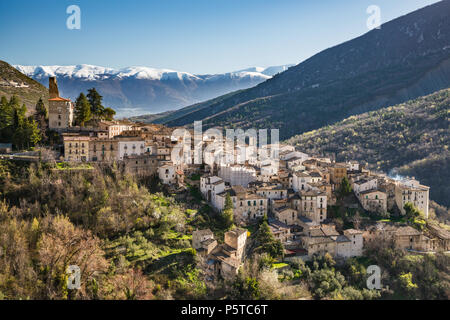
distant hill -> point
(407, 58)
(13, 82)
(139, 90)
(409, 139)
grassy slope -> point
(29, 95)
(410, 138)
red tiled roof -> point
(58, 99)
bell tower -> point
(53, 88)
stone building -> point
(357, 242)
(286, 215)
(373, 200)
(130, 146)
(210, 187)
(410, 190)
(142, 165)
(360, 184)
(338, 171)
(103, 150)
(225, 259)
(311, 204)
(60, 110)
(404, 237)
(76, 147)
(167, 173)
(237, 175)
(247, 205)
(203, 241)
(280, 231)
(115, 128)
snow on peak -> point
(269, 71)
(91, 72)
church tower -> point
(60, 110)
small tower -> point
(53, 88)
(60, 110)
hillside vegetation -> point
(28, 94)
(407, 139)
(407, 58)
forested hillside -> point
(131, 242)
(15, 83)
(407, 58)
(407, 139)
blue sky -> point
(197, 36)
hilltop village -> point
(297, 199)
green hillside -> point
(407, 139)
(408, 57)
(13, 82)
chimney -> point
(53, 88)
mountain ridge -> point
(407, 58)
(147, 89)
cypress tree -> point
(227, 213)
(95, 100)
(82, 110)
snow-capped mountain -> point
(135, 90)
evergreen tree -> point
(6, 113)
(18, 116)
(32, 132)
(14, 102)
(95, 100)
(227, 213)
(267, 242)
(26, 133)
(411, 211)
(82, 110)
(345, 188)
(41, 110)
(41, 117)
(108, 114)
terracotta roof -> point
(59, 99)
